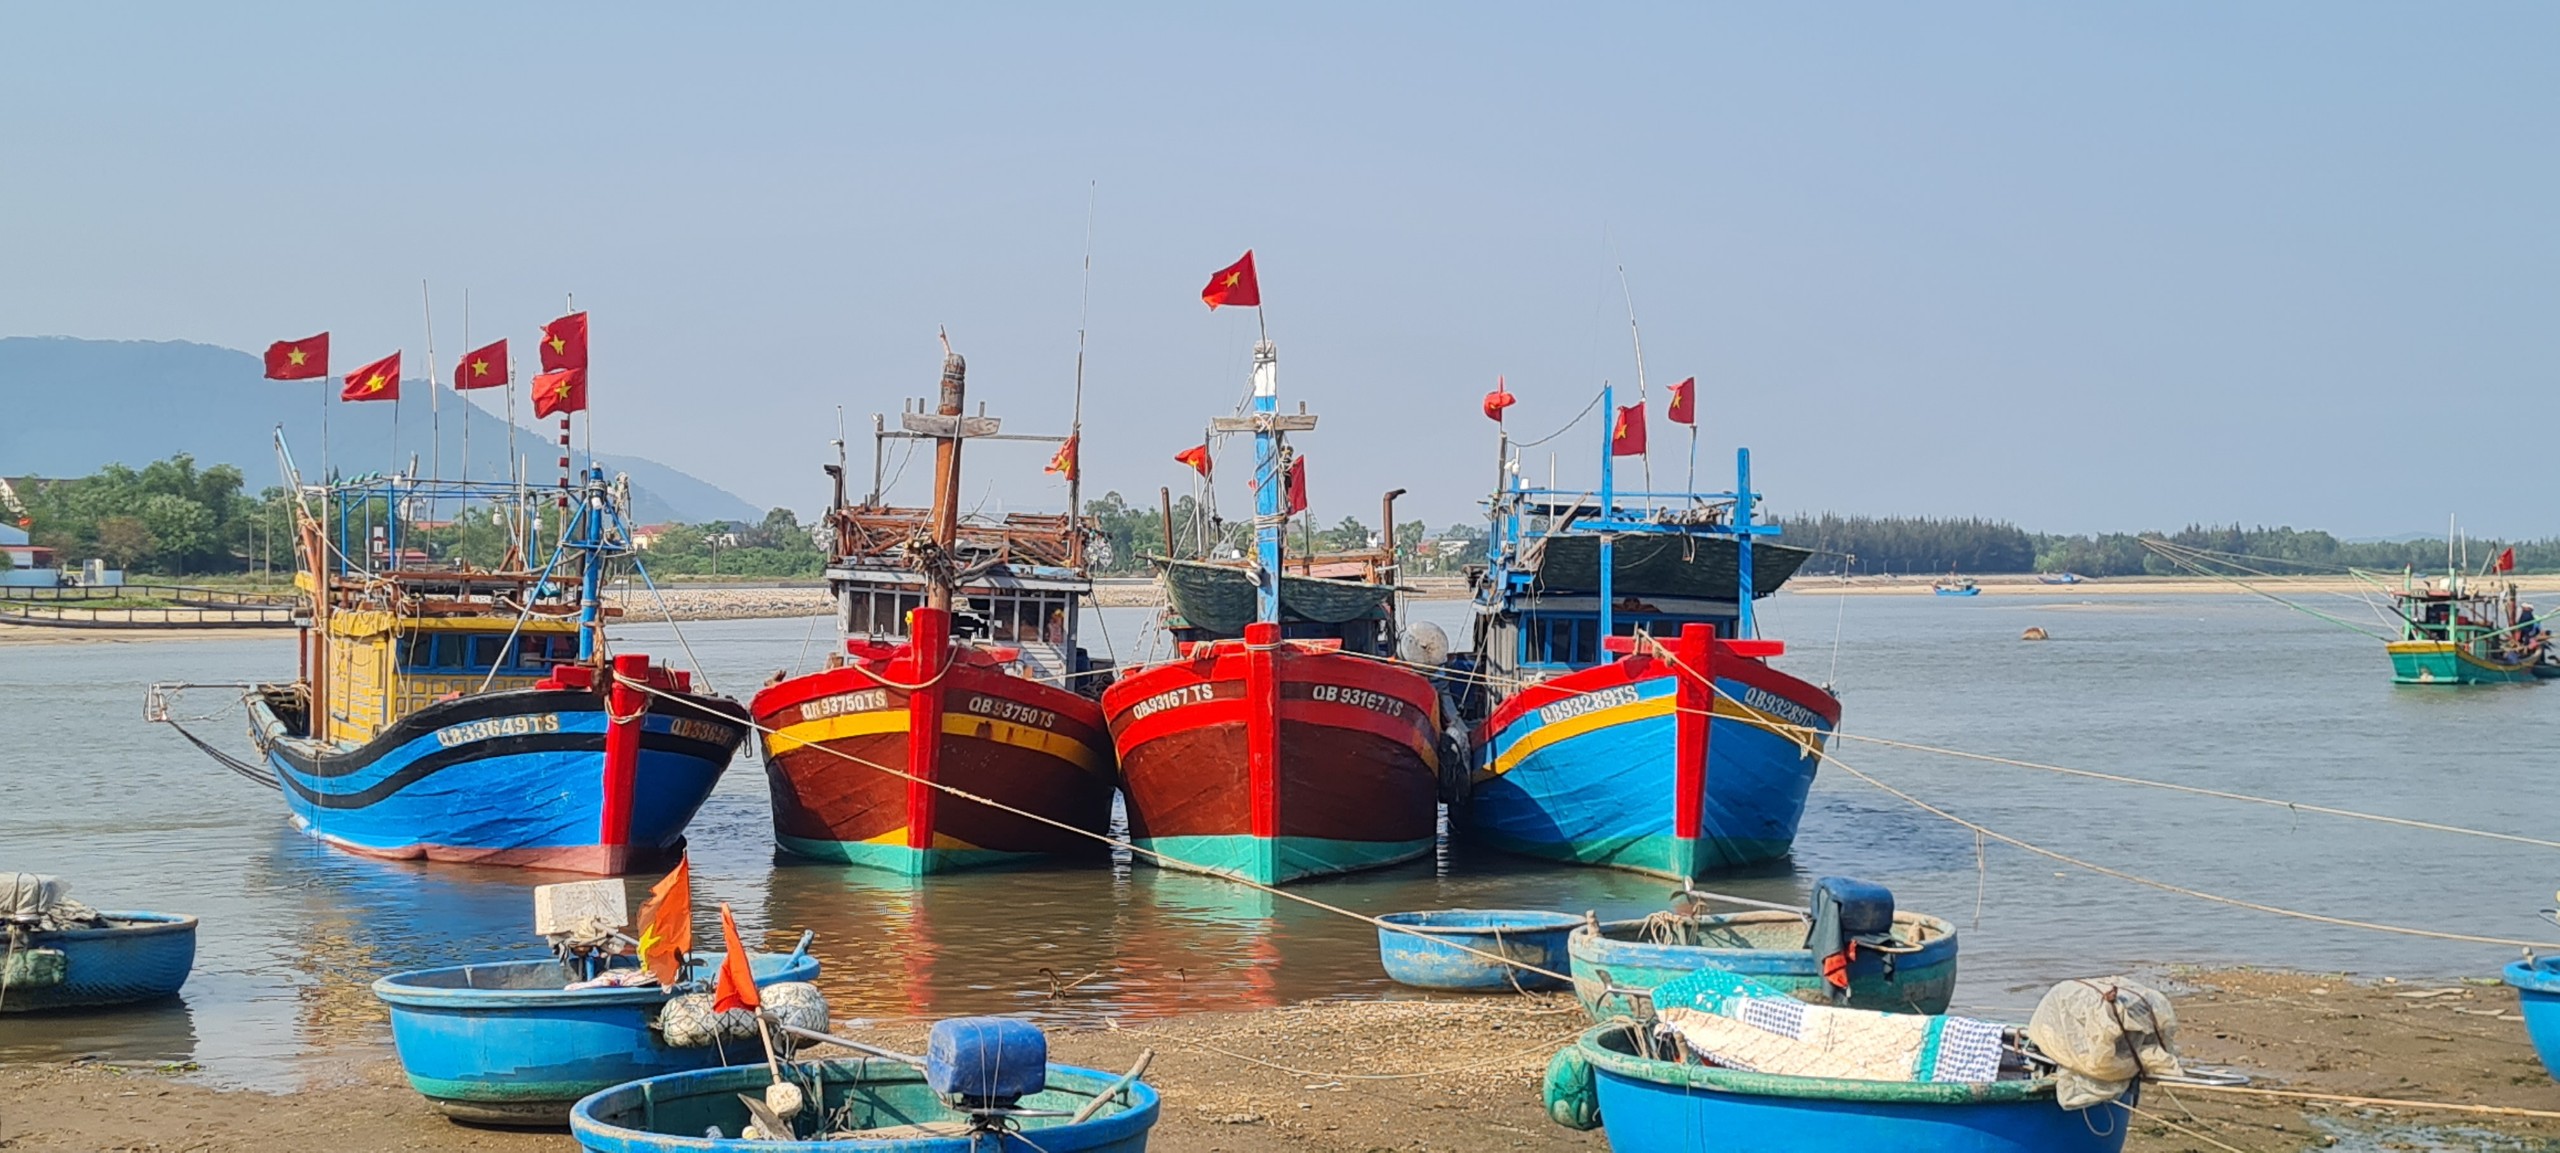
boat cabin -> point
(1019, 582)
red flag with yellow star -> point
(304, 359)
(1064, 463)
(735, 987)
(379, 380)
(562, 391)
(564, 343)
(1626, 438)
(1196, 456)
(1235, 284)
(486, 368)
(1684, 402)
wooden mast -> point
(946, 477)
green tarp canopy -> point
(1661, 566)
(1220, 598)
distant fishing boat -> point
(1278, 744)
(960, 667)
(1952, 585)
(451, 713)
(2060, 578)
(1622, 711)
(2456, 632)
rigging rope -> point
(1568, 425)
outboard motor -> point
(1847, 914)
(986, 1064)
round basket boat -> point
(2537, 985)
(1636, 955)
(884, 1105)
(505, 1044)
(134, 957)
(1650, 1106)
(1430, 950)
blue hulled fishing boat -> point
(1621, 705)
(453, 713)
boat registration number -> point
(708, 732)
(1780, 707)
(1186, 695)
(868, 700)
(1000, 709)
(1370, 699)
(1571, 707)
(498, 727)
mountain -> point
(68, 406)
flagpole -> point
(466, 401)
(1075, 423)
(1693, 443)
(1638, 333)
(435, 400)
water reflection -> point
(162, 1032)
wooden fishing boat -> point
(56, 954)
(1648, 1105)
(1611, 959)
(878, 1104)
(451, 713)
(960, 668)
(1952, 585)
(1621, 705)
(2457, 631)
(508, 1043)
(1278, 746)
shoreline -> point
(1331, 1076)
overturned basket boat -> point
(1614, 959)
(125, 957)
(508, 1044)
(1656, 1106)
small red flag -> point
(1497, 400)
(304, 359)
(1235, 284)
(486, 368)
(1684, 402)
(1297, 487)
(562, 391)
(379, 380)
(1064, 463)
(564, 343)
(735, 988)
(2507, 560)
(666, 924)
(1626, 437)
(1197, 457)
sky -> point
(2081, 267)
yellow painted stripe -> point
(897, 838)
(1661, 706)
(1037, 740)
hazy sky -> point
(2079, 266)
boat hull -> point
(516, 777)
(665, 1114)
(2537, 986)
(829, 737)
(136, 957)
(488, 1044)
(1652, 1106)
(2449, 663)
(1768, 948)
(1276, 761)
(1592, 768)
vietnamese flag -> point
(1684, 402)
(1235, 284)
(1497, 400)
(564, 391)
(1064, 463)
(2507, 560)
(666, 924)
(1626, 437)
(486, 368)
(736, 986)
(1196, 456)
(1296, 488)
(564, 343)
(379, 380)
(304, 359)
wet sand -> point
(1342, 1076)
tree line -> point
(1870, 545)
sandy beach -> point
(1356, 1076)
(2027, 585)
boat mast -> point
(586, 534)
(1268, 500)
(1608, 512)
(946, 477)
(1744, 626)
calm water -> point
(2225, 692)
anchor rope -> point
(1163, 859)
(1797, 733)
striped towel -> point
(1739, 1023)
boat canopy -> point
(1219, 599)
(1697, 567)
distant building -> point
(28, 565)
(646, 536)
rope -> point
(226, 760)
(2164, 1122)
(2380, 1102)
(1159, 858)
(1540, 1047)
(2245, 586)
(1815, 748)
(1568, 425)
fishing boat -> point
(1621, 706)
(452, 713)
(1952, 585)
(56, 953)
(2458, 631)
(1279, 744)
(959, 669)
(858, 1104)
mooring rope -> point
(1471, 1066)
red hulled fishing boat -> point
(1277, 745)
(958, 643)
